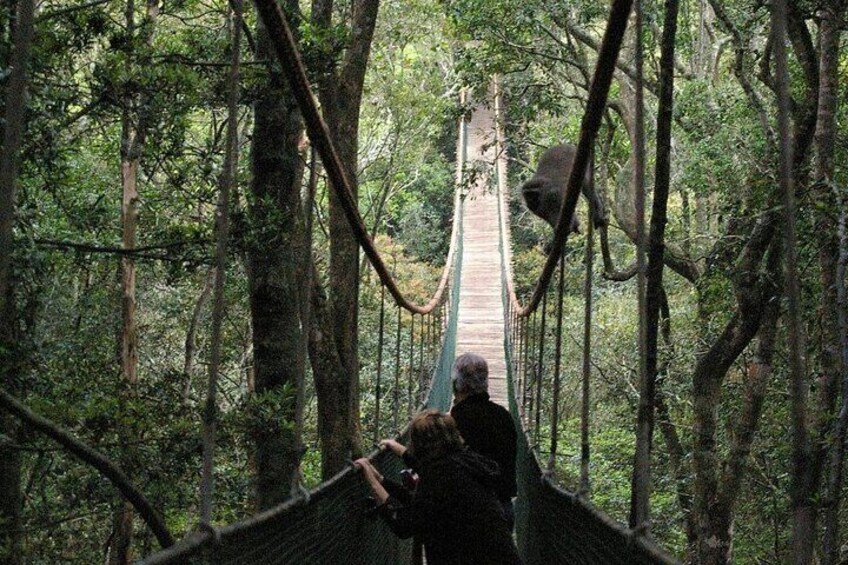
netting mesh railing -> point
(554, 526)
(333, 524)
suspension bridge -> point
(475, 308)
(332, 524)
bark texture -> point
(654, 275)
(274, 250)
(831, 369)
(11, 499)
(712, 527)
(134, 123)
(337, 373)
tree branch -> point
(97, 460)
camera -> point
(409, 478)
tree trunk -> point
(702, 62)
(712, 527)
(11, 499)
(222, 230)
(341, 94)
(331, 384)
(802, 489)
(833, 497)
(828, 245)
(640, 514)
(745, 428)
(191, 334)
(274, 254)
(133, 133)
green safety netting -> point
(555, 526)
(333, 525)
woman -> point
(454, 508)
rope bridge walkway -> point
(473, 309)
(481, 315)
(333, 525)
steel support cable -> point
(531, 365)
(521, 390)
(584, 487)
(411, 360)
(421, 368)
(525, 330)
(513, 337)
(380, 338)
(541, 369)
(436, 329)
(396, 395)
(516, 357)
(591, 121)
(292, 67)
(519, 332)
(519, 342)
(428, 335)
(557, 367)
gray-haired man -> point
(486, 427)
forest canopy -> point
(183, 297)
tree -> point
(275, 246)
(832, 359)
(10, 365)
(135, 121)
(333, 337)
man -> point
(486, 427)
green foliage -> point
(407, 182)
(68, 225)
(264, 409)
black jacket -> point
(488, 429)
(455, 512)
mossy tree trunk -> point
(275, 247)
(334, 342)
(10, 358)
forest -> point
(190, 333)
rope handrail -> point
(228, 544)
(287, 52)
(543, 495)
(590, 124)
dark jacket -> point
(455, 512)
(488, 429)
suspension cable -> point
(590, 124)
(541, 368)
(557, 366)
(584, 489)
(396, 396)
(380, 338)
(292, 67)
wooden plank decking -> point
(480, 323)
